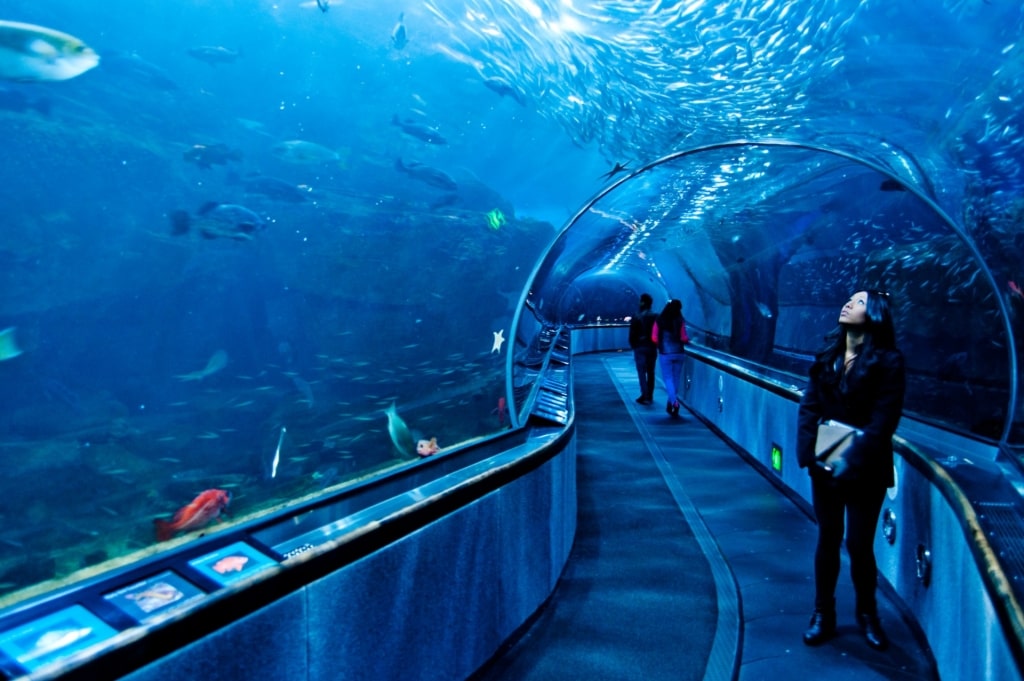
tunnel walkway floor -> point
(688, 563)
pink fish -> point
(233, 563)
(427, 447)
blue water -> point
(380, 287)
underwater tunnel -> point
(313, 324)
(761, 240)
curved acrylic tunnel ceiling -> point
(763, 242)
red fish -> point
(501, 410)
(204, 508)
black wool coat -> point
(870, 398)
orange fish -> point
(227, 564)
(204, 508)
(501, 410)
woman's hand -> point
(820, 469)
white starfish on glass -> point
(499, 340)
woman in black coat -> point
(859, 380)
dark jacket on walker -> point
(869, 397)
(640, 328)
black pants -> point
(645, 359)
(859, 504)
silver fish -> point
(399, 36)
(418, 130)
(427, 174)
(399, 432)
(277, 454)
(216, 362)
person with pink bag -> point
(669, 334)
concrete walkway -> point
(688, 563)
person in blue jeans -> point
(669, 334)
(645, 351)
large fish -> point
(198, 513)
(217, 361)
(37, 53)
(213, 54)
(424, 173)
(275, 189)
(418, 130)
(218, 220)
(401, 437)
(399, 36)
(206, 156)
(504, 88)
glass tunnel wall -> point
(400, 169)
(145, 363)
(764, 243)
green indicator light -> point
(776, 458)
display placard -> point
(54, 636)
(154, 596)
(232, 563)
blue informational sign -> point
(232, 563)
(55, 636)
(154, 596)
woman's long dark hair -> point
(671, 317)
(879, 334)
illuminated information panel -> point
(155, 596)
(54, 636)
(232, 563)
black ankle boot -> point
(872, 630)
(823, 627)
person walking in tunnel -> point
(857, 379)
(669, 334)
(645, 351)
